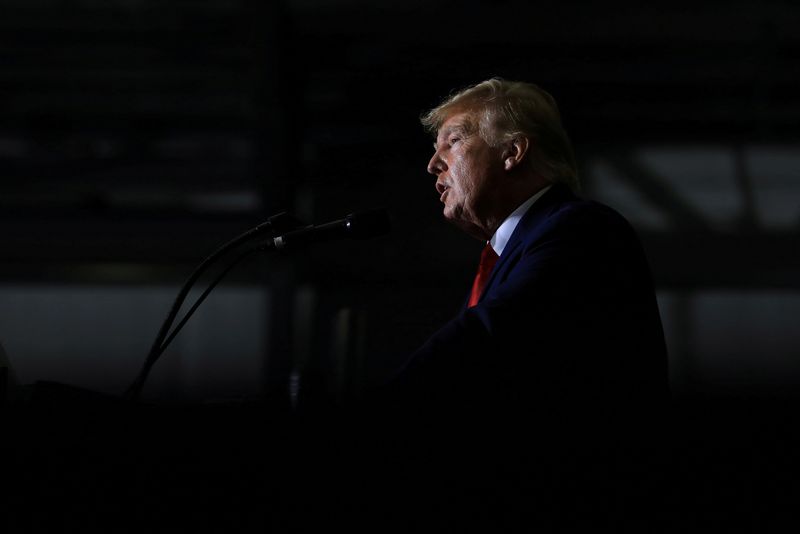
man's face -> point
(466, 170)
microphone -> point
(282, 222)
(359, 225)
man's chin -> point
(464, 225)
(453, 217)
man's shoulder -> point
(562, 210)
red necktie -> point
(488, 259)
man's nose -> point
(436, 165)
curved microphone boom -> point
(359, 225)
(282, 222)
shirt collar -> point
(503, 233)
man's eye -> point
(454, 140)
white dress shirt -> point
(503, 233)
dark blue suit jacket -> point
(567, 329)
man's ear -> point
(515, 152)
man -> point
(568, 317)
(521, 402)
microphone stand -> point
(283, 229)
(277, 224)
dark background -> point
(138, 136)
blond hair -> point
(508, 109)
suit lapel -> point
(528, 227)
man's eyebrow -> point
(458, 128)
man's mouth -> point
(442, 188)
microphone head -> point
(368, 223)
